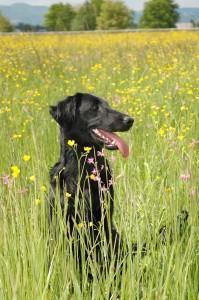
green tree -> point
(59, 17)
(85, 18)
(159, 14)
(114, 15)
(96, 4)
(5, 25)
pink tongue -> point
(122, 146)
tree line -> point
(92, 15)
(102, 15)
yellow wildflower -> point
(32, 178)
(168, 189)
(80, 225)
(26, 157)
(16, 136)
(68, 195)
(43, 188)
(87, 149)
(183, 108)
(71, 143)
(37, 201)
(181, 137)
(92, 177)
(161, 132)
(15, 171)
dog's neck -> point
(77, 149)
(91, 161)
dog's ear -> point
(65, 111)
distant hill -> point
(25, 13)
(188, 13)
(34, 15)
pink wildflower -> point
(90, 160)
(7, 180)
(94, 171)
(98, 178)
(185, 177)
(100, 153)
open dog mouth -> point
(112, 141)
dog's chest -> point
(96, 178)
(96, 171)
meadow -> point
(154, 77)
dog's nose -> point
(128, 121)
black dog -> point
(82, 173)
(83, 176)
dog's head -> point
(89, 121)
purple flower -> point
(90, 160)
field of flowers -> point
(154, 77)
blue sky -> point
(135, 4)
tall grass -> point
(154, 78)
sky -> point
(135, 4)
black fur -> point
(85, 173)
